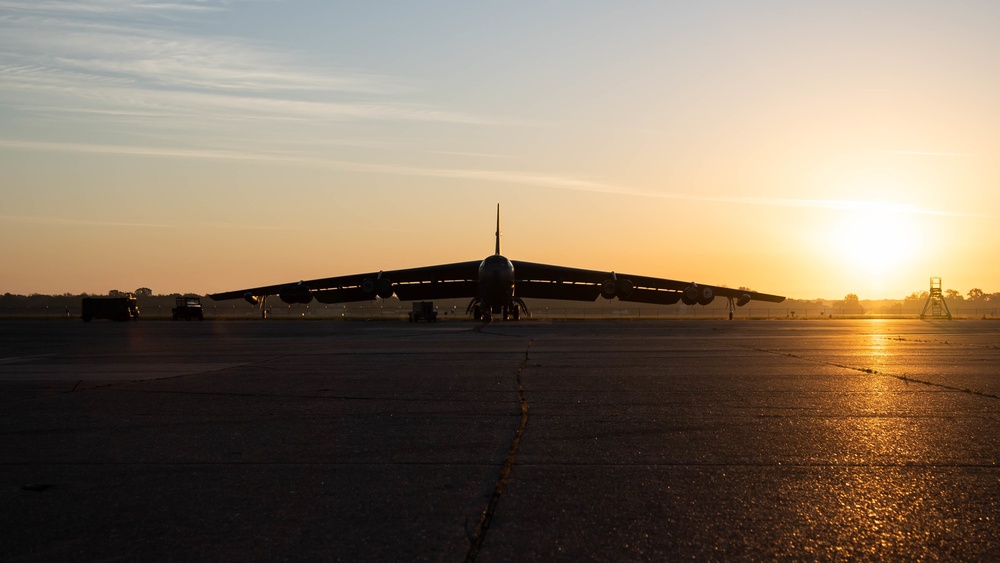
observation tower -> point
(935, 308)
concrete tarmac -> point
(589, 440)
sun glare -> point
(876, 243)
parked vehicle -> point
(112, 308)
(188, 308)
(423, 311)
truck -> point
(423, 311)
(112, 308)
(188, 308)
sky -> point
(808, 149)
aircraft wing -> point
(445, 281)
(544, 281)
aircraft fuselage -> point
(496, 282)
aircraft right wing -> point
(545, 281)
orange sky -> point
(810, 151)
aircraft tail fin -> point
(498, 229)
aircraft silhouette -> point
(497, 286)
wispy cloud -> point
(132, 72)
(109, 6)
(48, 220)
(472, 154)
(53, 220)
(246, 227)
(147, 56)
(928, 153)
(846, 205)
(523, 178)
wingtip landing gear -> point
(263, 308)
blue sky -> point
(741, 143)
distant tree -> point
(975, 294)
(953, 294)
(143, 292)
(115, 293)
(850, 305)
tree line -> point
(851, 304)
(9, 300)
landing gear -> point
(481, 313)
(263, 308)
(511, 312)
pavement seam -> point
(486, 518)
(118, 384)
(872, 371)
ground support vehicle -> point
(188, 308)
(423, 311)
(112, 308)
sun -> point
(876, 243)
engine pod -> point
(609, 288)
(705, 296)
(383, 288)
(298, 293)
(624, 288)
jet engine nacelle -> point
(697, 294)
(297, 293)
(743, 300)
(625, 288)
(609, 288)
(379, 287)
(251, 298)
(616, 288)
(690, 295)
(706, 296)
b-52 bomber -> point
(497, 287)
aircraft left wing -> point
(445, 281)
(544, 281)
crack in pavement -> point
(486, 518)
(945, 342)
